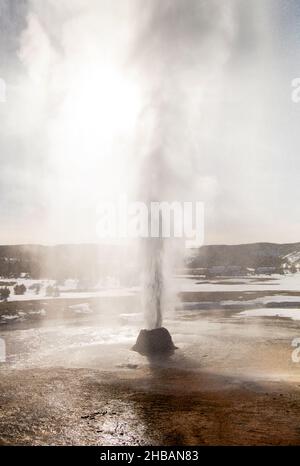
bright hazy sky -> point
(79, 76)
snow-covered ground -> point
(263, 300)
(288, 282)
(293, 314)
(69, 289)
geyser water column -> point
(153, 281)
(155, 339)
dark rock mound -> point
(156, 341)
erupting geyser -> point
(157, 339)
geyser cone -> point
(156, 341)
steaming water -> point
(182, 54)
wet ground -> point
(70, 377)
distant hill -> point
(91, 261)
(256, 255)
(84, 261)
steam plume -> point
(172, 55)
